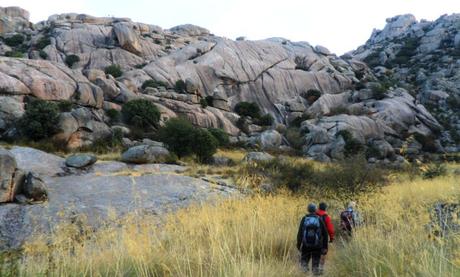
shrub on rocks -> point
(180, 86)
(40, 120)
(265, 120)
(220, 135)
(14, 54)
(15, 40)
(153, 84)
(184, 139)
(352, 145)
(141, 113)
(43, 42)
(70, 60)
(114, 70)
(114, 115)
(312, 95)
(247, 109)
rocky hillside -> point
(326, 105)
(424, 58)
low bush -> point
(433, 170)
(14, 54)
(153, 84)
(42, 43)
(247, 109)
(209, 100)
(296, 122)
(379, 91)
(312, 95)
(65, 106)
(15, 40)
(40, 120)
(265, 120)
(114, 70)
(43, 54)
(183, 139)
(295, 138)
(141, 113)
(114, 115)
(180, 87)
(203, 103)
(220, 135)
(70, 60)
(352, 145)
(205, 145)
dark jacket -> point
(324, 234)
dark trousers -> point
(311, 254)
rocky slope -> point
(423, 57)
(277, 74)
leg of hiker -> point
(322, 262)
(305, 259)
(316, 258)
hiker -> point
(312, 239)
(348, 219)
(321, 212)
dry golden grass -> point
(256, 237)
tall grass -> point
(255, 236)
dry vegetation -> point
(254, 236)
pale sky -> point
(340, 25)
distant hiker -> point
(349, 218)
(312, 239)
(321, 212)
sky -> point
(340, 25)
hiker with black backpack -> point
(348, 219)
(321, 212)
(312, 240)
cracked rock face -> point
(276, 74)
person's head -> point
(311, 208)
(351, 205)
(323, 206)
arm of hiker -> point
(325, 235)
(330, 228)
(299, 234)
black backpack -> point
(312, 235)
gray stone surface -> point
(145, 154)
(258, 157)
(80, 160)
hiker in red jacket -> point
(321, 212)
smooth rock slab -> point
(98, 198)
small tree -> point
(70, 60)
(40, 120)
(247, 109)
(178, 134)
(114, 70)
(266, 120)
(43, 42)
(15, 40)
(180, 87)
(141, 113)
(153, 84)
(220, 135)
(205, 145)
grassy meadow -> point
(255, 236)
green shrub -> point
(141, 113)
(65, 106)
(203, 103)
(352, 146)
(40, 120)
(265, 120)
(43, 54)
(14, 40)
(43, 42)
(220, 135)
(114, 115)
(178, 134)
(70, 60)
(242, 124)
(14, 54)
(205, 145)
(180, 87)
(373, 59)
(295, 138)
(379, 91)
(312, 95)
(338, 110)
(247, 109)
(153, 84)
(453, 102)
(296, 122)
(114, 70)
(434, 170)
(209, 100)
